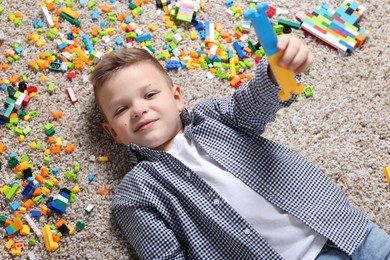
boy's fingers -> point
(302, 59)
(290, 52)
(282, 42)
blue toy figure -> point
(267, 38)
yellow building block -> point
(70, 12)
(284, 77)
(9, 244)
(16, 251)
(169, 24)
(83, 56)
(76, 189)
(25, 230)
(152, 27)
(50, 245)
(45, 191)
(40, 42)
(194, 35)
(71, 230)
(387, 174)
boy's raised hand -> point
(297, 56)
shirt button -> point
(216, 201)
(246, 231)
(188, 174)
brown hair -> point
(117, 60)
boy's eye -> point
(120, 110)
(150, 94)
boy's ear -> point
(109, 130)
(178, 97)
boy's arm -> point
(147, 233)
(254, 104)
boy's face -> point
(141, 108)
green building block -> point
(32, 242)
(308, 91)
(10, 192)
(79, 225)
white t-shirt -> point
(289, 236)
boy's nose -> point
(139, 110)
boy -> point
(206, 184)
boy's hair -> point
(117, 60)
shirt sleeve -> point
(147, 233)
(254, 104)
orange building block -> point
(55, 150)
(105, 8)
(57, 114)
(28, 203)
(69, 148)
(2, 148)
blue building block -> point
(54, 206)
(65, 194)
(91, 177)
(28, 191)
(143, 37)
(229, 3)
(15, 206)
(38, 24)
(238, 48)
(62, 45)
(19, 50)
(127, 20)
(202, 35)
(183, 64)
(82, 3)
(199, 26)
(11, 229)
(119, 41)
(88, 43)
(95, 15)
(172, 65)
(36, 213)
(168, 48)
(230, 53)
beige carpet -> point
(344, 128)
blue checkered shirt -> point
(166, 211)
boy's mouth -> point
(144, 125)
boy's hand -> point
(297, 56)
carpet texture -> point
(344, 129)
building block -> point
(338, 28)
(268, 40)
(72, 96)
(10, 192)
(387, 174)
(308, 91)
(32, 225)
(50, 245)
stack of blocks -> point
(339, 29)
(185, 10)
(60, 202)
